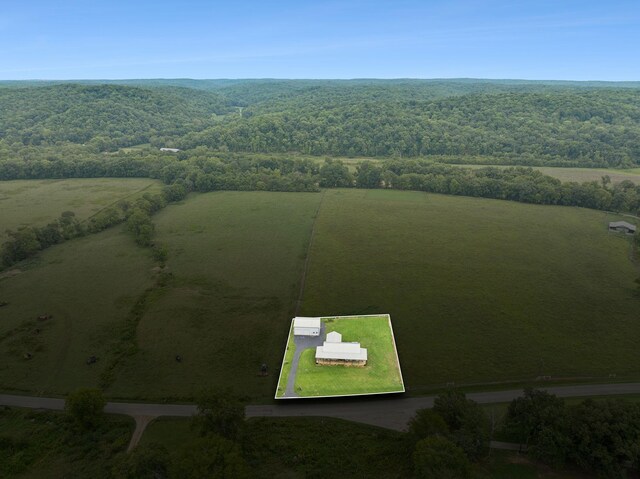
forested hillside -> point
(237, 135)
(107, 116)
(500, 122)
(588, 128)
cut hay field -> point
(591, 174)
(38, 202)
(579, 175)
(479, 290)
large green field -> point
(88, 286)
(236, 260)
(479, 291)
(38, 202)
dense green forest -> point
(503, 122)
(106, 117)
(245, 135)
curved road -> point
(390, 412)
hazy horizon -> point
(497, 39)
(345, 79)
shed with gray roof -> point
(622, 227)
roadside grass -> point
(380, 375)
(236, 259)
(88, 286)
(511, 465)
(45, 445)
(38, 202)
(290, 350)
(479, 290)
(327, 447)
(304, 447)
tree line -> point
(451, 440)
(598, 436)
(27, 241)
(199, 171)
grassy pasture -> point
(37, 202)
(479, 290)
(236, 260)
(88, 285)
(579, 175)
(590, 174)
(286, 363)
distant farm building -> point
(306, 326)
(622, 227)
(170, 150)
(333, 351)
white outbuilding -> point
(306, 326)
(622, 227)
(334, 351)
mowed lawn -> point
(88, 285)
(38, 202)
(380, 375)
(479, 290)
(236, 260)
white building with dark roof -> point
(334, 351)
(622, 227)
(306, 326)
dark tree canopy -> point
(86, 407)
(466, 420)
(220, 413)
(436, 457)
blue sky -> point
(541, 39)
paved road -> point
(391, 412)
(395, 412)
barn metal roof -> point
(622, 224)
(300, 322)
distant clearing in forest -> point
(38, 202)
(580, 175)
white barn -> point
(334, 351)
(306, 326)
(622, 227)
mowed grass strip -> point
(479, 290)
(38, 202)
(290, 350)
(380, 375)
(88, 286)
(236, 260)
